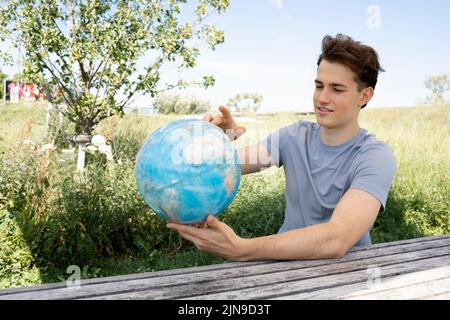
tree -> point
(438, 85)
(246, 102)
(2, 83)
(92, 51)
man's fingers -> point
(217, 121)
(233, 134)
(212, 221)
(239, 131)
(179, 227)
(223, 120)
(188, 237)
(225, 112)
(202, 225)
(208, 117)
(188, 230)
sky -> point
(271, 48)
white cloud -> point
(277, 3)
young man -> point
(337, 174)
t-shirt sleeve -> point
(375, 169)
(272, 144)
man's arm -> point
(254, 158)
(354, 215)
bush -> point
(258, 209)
(177, 104)
(59, 128)
(19, 172)
(16, 259)
(415, 209)
(100, 214)
(76, 219)
(126, 147)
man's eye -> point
(338, 91)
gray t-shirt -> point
(318, 175)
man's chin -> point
(326, 123)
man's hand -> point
(226, 122)
(214, 237)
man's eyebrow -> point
(332, 84)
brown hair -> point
(361, 59)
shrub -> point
(258, 209)
(127, 146)
(16, 259)
(76, 219)
(59, 128)
(177, 104)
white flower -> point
(98, 140)
(91, 148)
(49, 147)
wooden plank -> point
(137, 276)
(416, 291)
(400, 242)
(376, 248)
(358, 290)
(184, 279)
(280, 290)
(267, 274)
(224, 271)
(227, 270)
(319, 268)
(205, 289)
(412, 286)
(444, 296)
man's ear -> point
(366, 96)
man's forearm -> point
(254, 158)
(320, 241)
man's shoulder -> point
(372, 149)
(301, 126)
(370, 143)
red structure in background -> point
(27, 91)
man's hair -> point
(361, 59)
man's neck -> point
(337, 136)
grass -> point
(15, 119)
(48, 222)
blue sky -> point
(271, 47)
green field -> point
(51, 218)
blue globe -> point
(187, 170)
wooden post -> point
(47, 118)
(81, 141)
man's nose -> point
(324, 97)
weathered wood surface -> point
(410, 269)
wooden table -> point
(410, 269)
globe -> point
(187, 170)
